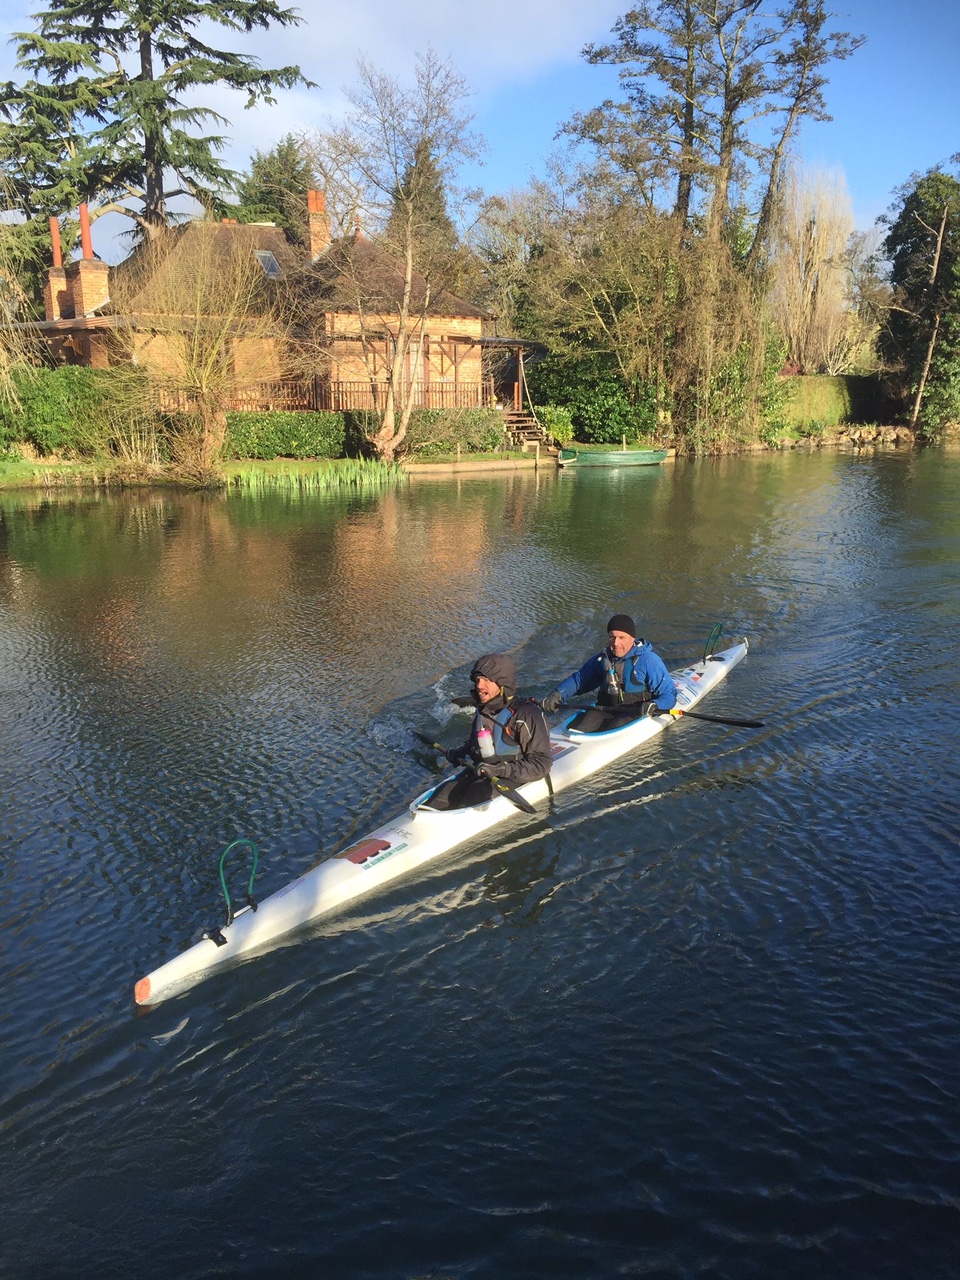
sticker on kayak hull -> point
(369, 852)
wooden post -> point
(623, 441)
(536, 460)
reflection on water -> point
(696, 1020)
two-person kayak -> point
(416, 836)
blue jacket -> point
(640, 674)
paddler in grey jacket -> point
(628, 674)
(509, 738)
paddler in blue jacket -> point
(628, 674)
(509, 738)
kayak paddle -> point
(513, 796)
(702, 715)
(676, 712)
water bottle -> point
(485, 743)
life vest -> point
(505, 748)
(620, 686)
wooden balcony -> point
(321, 393)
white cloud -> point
(501, 48)
(496, 44)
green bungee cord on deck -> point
(253, 871)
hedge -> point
(280, 433)
(831, 400)
(61, 411)
(437, 432)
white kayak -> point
(416, 836)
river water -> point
(699, 1021)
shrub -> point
(63, 410)
(283, 433)
(605, 414)
(602, 407)
(556, 420)
(438, 431)
(435, 432)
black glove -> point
(456, 755)
(552, 702)
(489, 770)
(651, 709)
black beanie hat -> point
(622, 622)
(499, 668)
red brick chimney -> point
(86, 244)
(55, 296)
(88, 279)
(319, 223)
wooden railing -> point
(286, 393)
(319, 393)
(425, 395)
(289, 393)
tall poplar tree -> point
(103, 116)
(715, 89)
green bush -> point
(556, 420)
(280, 433)
(601, 406)
(439, 431)
(61, 411)
(605, 414)
(436, 432)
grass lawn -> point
(16, 474)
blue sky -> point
(896, 103)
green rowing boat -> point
(611, 458)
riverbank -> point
(323, 473)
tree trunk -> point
(918, 398)
(154, 210)
(681, 208)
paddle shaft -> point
(634, 710)
(513, 796)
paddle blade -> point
(737, 724)
(514, 796)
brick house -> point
(347, 294)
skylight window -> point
(267, 260)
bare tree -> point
(203, 318)
(816, 273)
(510, 230)
(380, 169)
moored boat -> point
(611, 457)
(416, 836)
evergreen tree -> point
(103, 116)
(275, 189)
(922, 335)
(419, 219)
